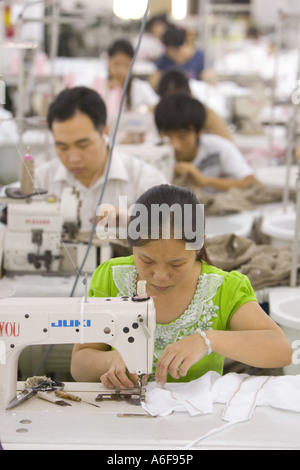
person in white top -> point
(140, 98)
(139, 92)
(209, 161)
(77, 119)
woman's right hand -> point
(118, 376)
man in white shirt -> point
(77, 119)
(210, 161)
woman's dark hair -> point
(82, 99)
(121, 45)
(162, 18)
(179, 111)
(174, 206)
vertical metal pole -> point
(1, 36)
(278, 40)
(54, 44)
(295, 247)
(21, 76)
(291, 131)
(288, 158)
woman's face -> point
(164, 264)
(119, 65)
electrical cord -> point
(78, 274)
(112, 147)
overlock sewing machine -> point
(125, 323)
(41, 236)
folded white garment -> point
(241, 405)
(194, 397)
(281, 392)
(239, 392)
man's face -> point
(80, 147)
(184, 143)
(177, 54)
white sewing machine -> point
(40, 236)
(127, 324)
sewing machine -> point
(39, 425)
(126, 324)
(40, 236)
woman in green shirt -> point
(203, 314)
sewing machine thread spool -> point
(141, 289)
(27, 174)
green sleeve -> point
(102, 283)
(235, 291)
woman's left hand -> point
(178, 357)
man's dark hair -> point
(121, 46)
(173, 80)
(174, 37)
(179, 111)
(82, 99)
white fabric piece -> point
(241, 405)
(239, 392)
(194, 397)
(282, 392)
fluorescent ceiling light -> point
(179, 9)
(130, 9)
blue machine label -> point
(71, 324)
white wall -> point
(265, 11)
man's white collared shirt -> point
(128, 176)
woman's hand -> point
(178, 357)
(118, 376)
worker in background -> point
(175, 81)
(77, 119)
(151, 46)
(206, 160)
(139, 92)
(181, 52)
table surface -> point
(37, 424)
(275, 176)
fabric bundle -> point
(265, 265)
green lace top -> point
(218, 295)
